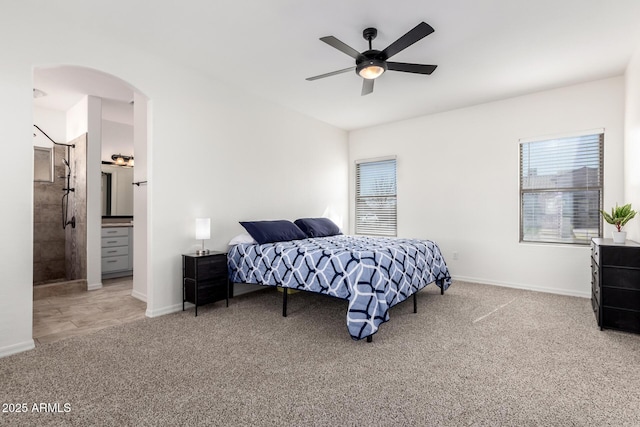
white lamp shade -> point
(203, 228)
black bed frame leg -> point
(415, 303)
(284, 301)
(370, 338)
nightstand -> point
(205, 279)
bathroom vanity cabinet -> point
(117, 251)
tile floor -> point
(57, 317)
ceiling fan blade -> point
(419, 32)
(341, 46)
(367, 86)
(411, 68)
(333, 73)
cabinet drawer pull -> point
(112, 232)
(112, 252)
(111, 261)
(113, 241)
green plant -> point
(619, 216)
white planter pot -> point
(619, 236)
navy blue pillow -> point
(273, 231)
(318, 227)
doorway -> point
(75, 100)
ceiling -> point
(485, 50)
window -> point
(561, 189)
(43, 164)
(376, 197)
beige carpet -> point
(479, 355)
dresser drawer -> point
(617, 318)
(628, 278)
(108, 242)
(115, 231)
(595, 288)
(115, 251)
(115, 263)
(621, 298)
(595, 252)
(619, 256)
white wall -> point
(142, 119)
(458, 181)
(632, 143)
(117, 138)
(52, 122)
(214, 151)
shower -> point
(67, 189)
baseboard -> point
(94, 286)
(525, 287)
(17, 348)
(165, 310)
(139, 295)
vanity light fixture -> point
(203, 231)
(121, 160)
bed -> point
(372, 273)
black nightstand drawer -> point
(206, 267)
(208, 291)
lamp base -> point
(202, 252)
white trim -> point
(562, 135)
(17, 348)
(94, 286)
(524, 287)
(139, 295)
(165, 310)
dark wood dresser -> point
(615, 284)
(205, 279)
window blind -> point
(561, 182)
(376, 201)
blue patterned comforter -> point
(373, 273)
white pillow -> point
(242, 238)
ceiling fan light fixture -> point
(371, 68)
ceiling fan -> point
(371, 63)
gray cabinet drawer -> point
(115, 251)
(115, 263)
(115, 231)
(108, 242)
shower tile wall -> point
(76, 238)
(48, 235)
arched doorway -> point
(113, 116)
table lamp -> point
(203, 231)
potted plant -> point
(619, 216)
